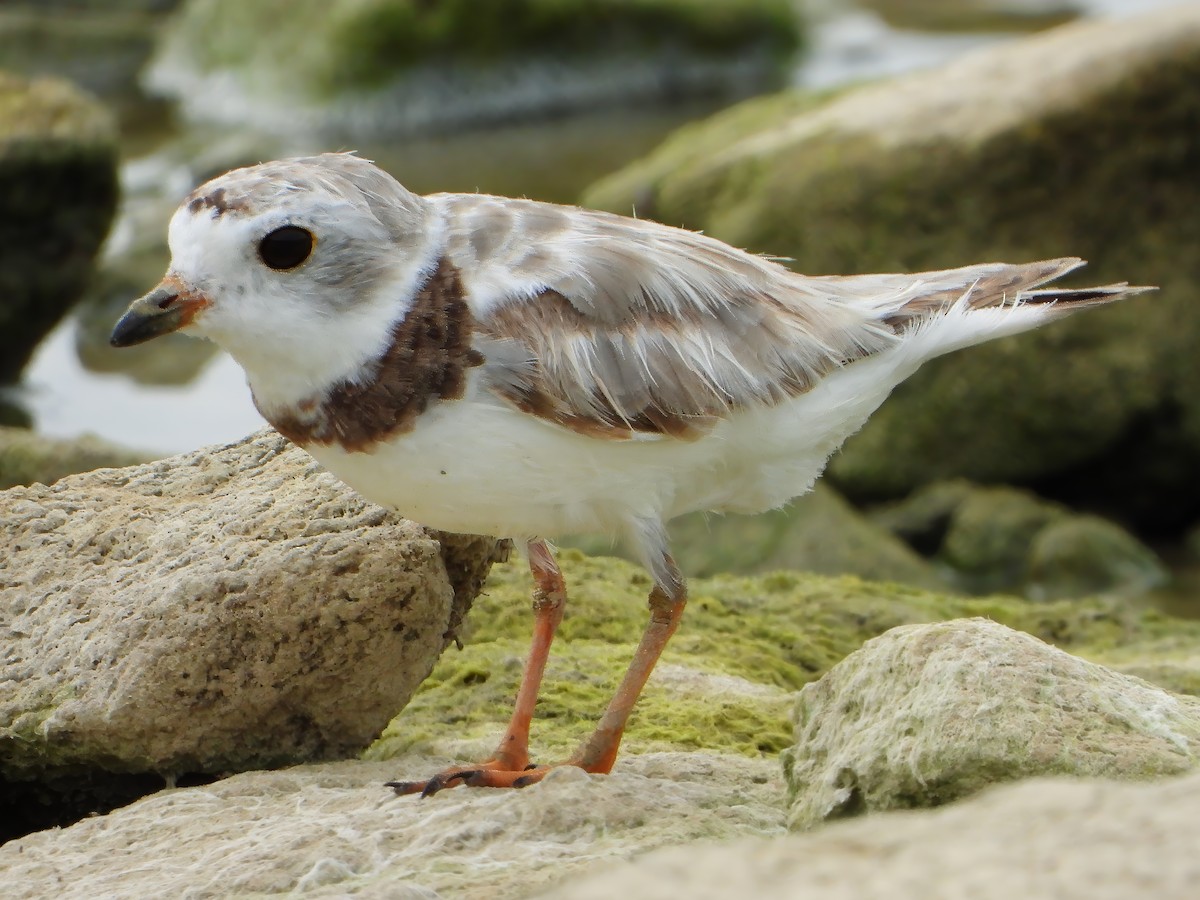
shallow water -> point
(550, 160)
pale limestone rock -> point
(1047, 839)
(926, 714)
(710, 827)
(333, 830)
(225, 609)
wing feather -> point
(620, 328)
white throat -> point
(315, 350)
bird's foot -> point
(492, 773)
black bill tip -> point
(159, 312)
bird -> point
(526, 370)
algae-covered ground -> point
(746, 643)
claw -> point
(443, 780)
(486, 775)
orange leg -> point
(511, 758)
(599, 751)
(509, 767)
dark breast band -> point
(426, 361)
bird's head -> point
(296, 267)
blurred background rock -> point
(744, 118)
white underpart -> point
(478, 465)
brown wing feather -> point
(647, 373)
(615, 327)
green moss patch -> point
(745, 644)
(972, 15)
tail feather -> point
(1083, 297)
(993, 286)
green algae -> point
(380, 33)
(770, 634)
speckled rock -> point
(1049, 839)
(927, 714)
(334, 830)
(58, 193)
(221, 610)
(1020, 151)
(662, 826)
(699, 762)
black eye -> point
(286, 247)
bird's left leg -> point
(599, 751)
(511, 759)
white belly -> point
(483, 468)
(478, 466)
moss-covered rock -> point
(1086, 555)
(927, 714)
(726, 679)
(26, 458)
(58, 193)
(92, 44)
(819, 532)
(974, 15)
(1004, 539)
(990, 534)
(1022, 151)
(403, 65)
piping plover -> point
(521, 369)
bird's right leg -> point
(549, 600)
(512, 754)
